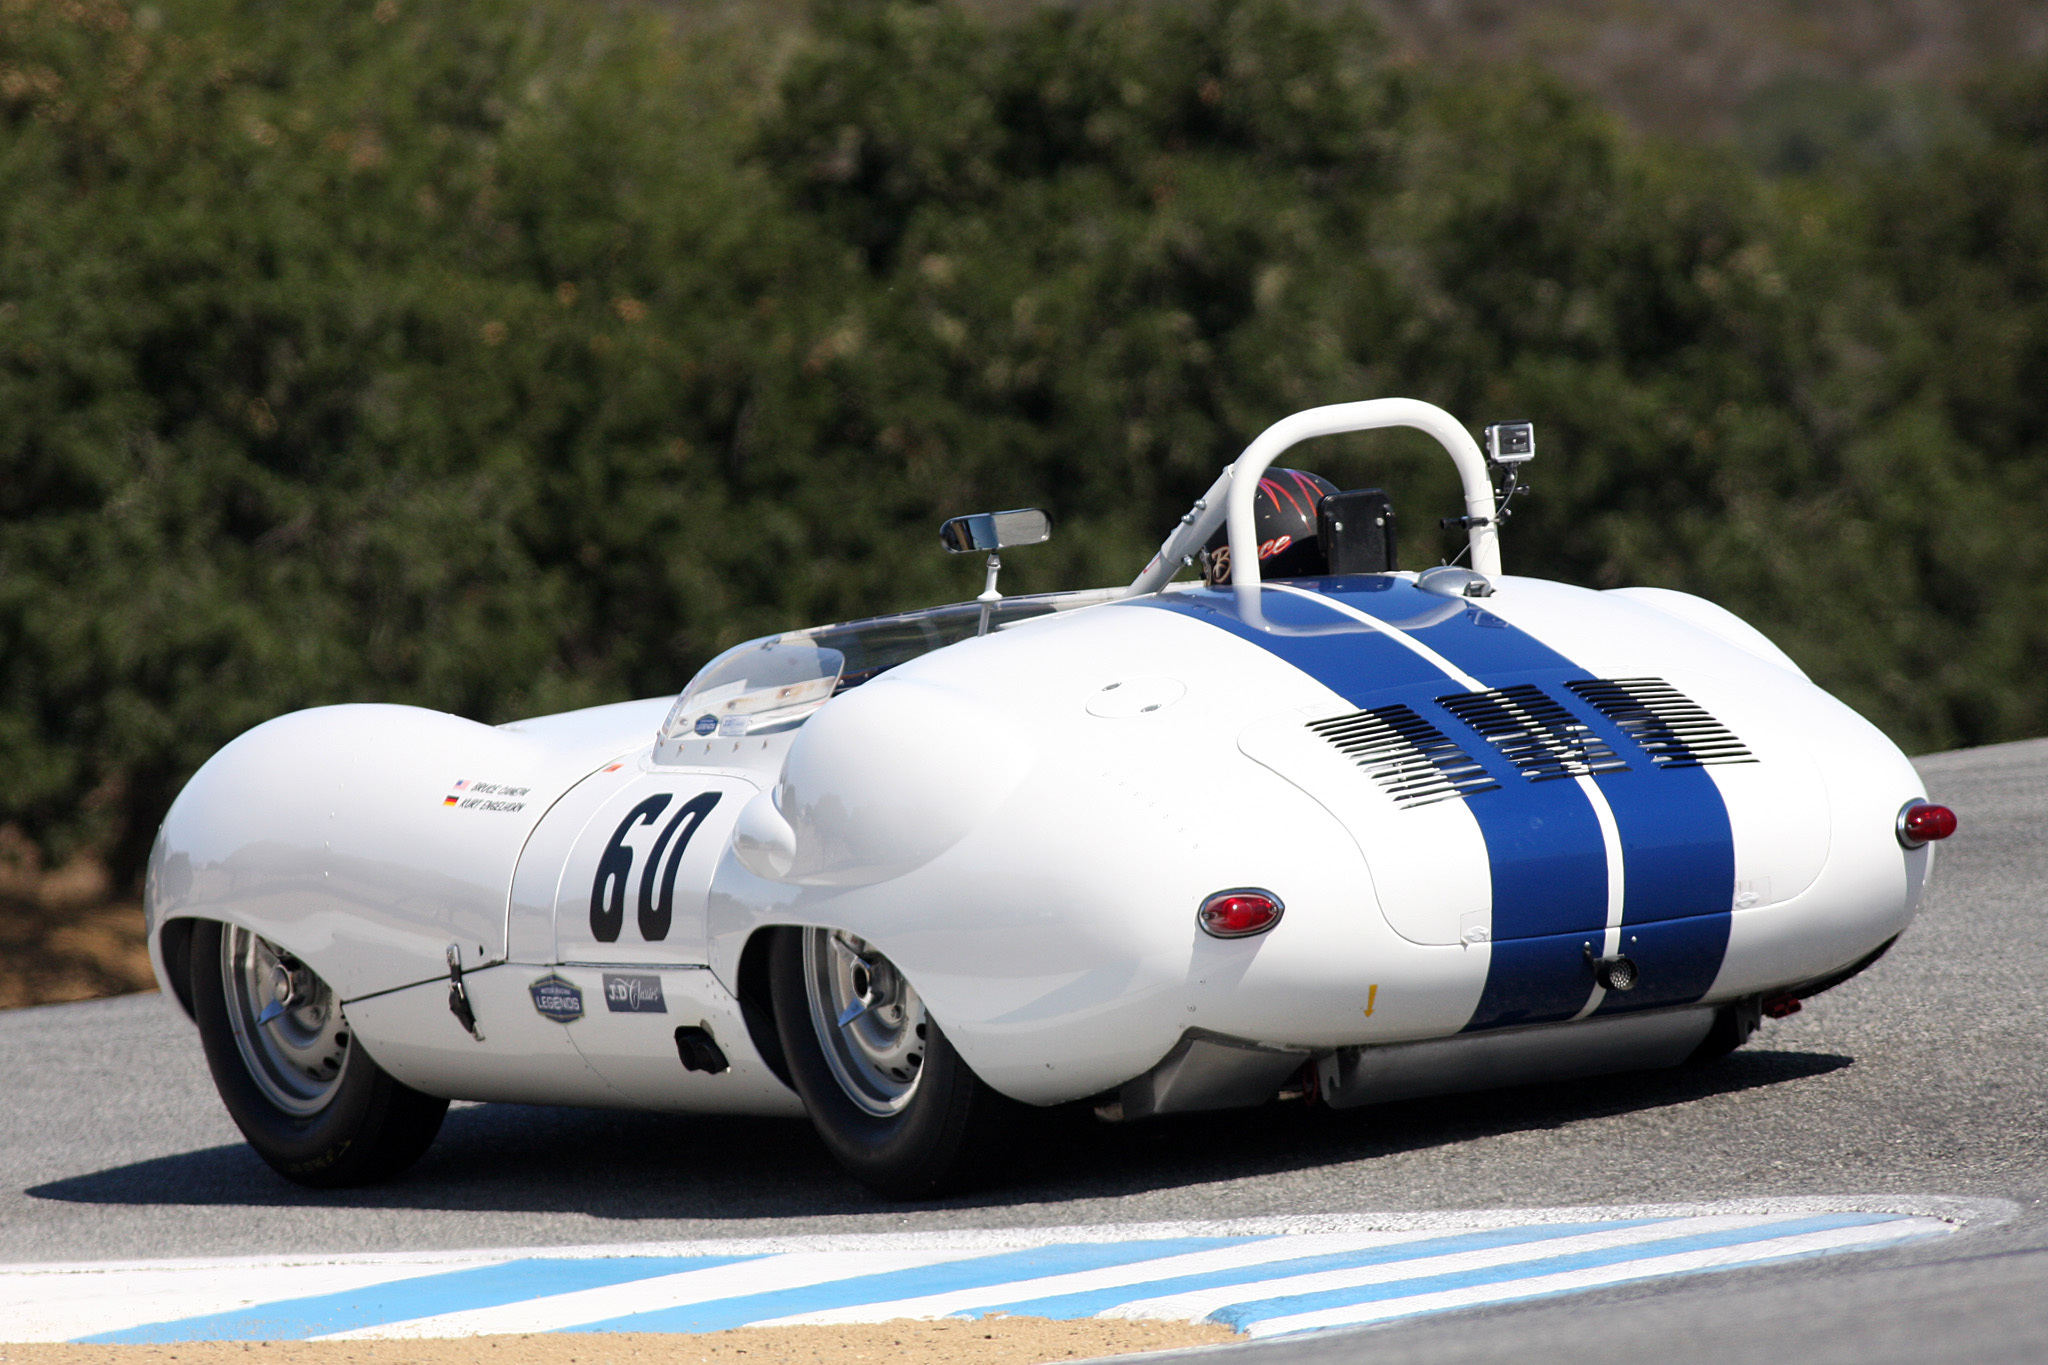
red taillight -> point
(1921, 823)
(1240, 913)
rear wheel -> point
(312, 1104)
(886, 1092)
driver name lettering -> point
(485, 796)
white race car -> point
(1351, 837)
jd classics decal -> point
(633, 994)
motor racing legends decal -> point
(468, 794)
(633, 994)
(657, 899)
(558, 999)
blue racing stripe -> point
(720, 1314)
(1545, 855)
(1543, 841)
(1358, 664)
(1548, 855)
(1678, 960)
(1471, 637)
(1536, 980)
(1243, 1315)
(1678, 850)
(420, 1296)
(1088, 1303)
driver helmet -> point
(1284, 516)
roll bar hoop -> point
(1230, 498)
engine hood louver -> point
(1542, 739)
(1673, 729)
(1417, 764)
(1412, 760)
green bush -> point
(504, 356)
(361, 353)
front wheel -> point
(312, 1104)
(892, 1100)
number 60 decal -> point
(615, 868)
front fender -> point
(366, 840)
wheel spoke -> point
(286, 1022)
(850, 956)
(869, 1021)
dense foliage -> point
(509, 355)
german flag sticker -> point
(449, 801)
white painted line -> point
(55, 1302)
(61, 1305)
(1714, 1258)
(1109, 1277)
(1951, 1208)
(1199, 1304)
(770, 1274)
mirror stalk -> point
(989, 596)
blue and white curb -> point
(1262, 1277)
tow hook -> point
(458, 998)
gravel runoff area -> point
(949, 1341)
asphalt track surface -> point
(1928, 1076)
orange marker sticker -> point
(1372, 993)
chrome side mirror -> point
(992, 531)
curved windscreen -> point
(774, 683)
(756, 688)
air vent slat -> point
(1410, 759)
(1541, 738)
(1672, 728)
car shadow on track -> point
(633, 1166)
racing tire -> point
(315, 1107)
(895, 1105)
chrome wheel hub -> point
(287, 1023)
(868, 1020)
